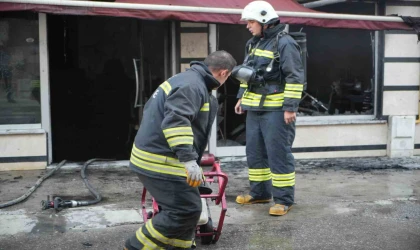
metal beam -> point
(321, 3)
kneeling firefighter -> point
(168, 147)
(271, 84)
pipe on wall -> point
(321, 3)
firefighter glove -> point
(194, 173)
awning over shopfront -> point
(214, 11)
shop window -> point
(19, 69)
(340, 66)
(340, 72)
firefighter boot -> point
(129, 248)
(279, 210)
(248, 199)
(128, 245)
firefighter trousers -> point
(269, 156)
(174, 226)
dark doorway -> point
(93, 83)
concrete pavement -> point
(363, 203)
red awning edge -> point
(200, 17)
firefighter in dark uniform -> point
(168, 146)
(271, 97)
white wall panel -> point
(417, 139)
(401, 45)
(341, 154)
(194, 45)
(330, 136)
(184, 66)
(193, 25)
(403, 10)
(400, 102)
(340, 135)
(23, 145)
(402, 74)
(22, 166)
(417, 134)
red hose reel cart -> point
(205, 229)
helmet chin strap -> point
(269, 24)
(262, 29)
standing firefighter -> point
(272, 78)
(167, 150)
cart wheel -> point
(207, 228)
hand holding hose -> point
(194, 173)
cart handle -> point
(216, 172)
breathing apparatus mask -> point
(246, 74)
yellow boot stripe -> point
(173, 242)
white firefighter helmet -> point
(260, 11)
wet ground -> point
(363, 203)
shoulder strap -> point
(250, 48)
(279, 35)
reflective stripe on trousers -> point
(270, 160)
(174, 226)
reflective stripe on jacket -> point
(176, 123)
(281, 88)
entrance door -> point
(93, 82)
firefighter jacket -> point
(176, 124)
(281, 87)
